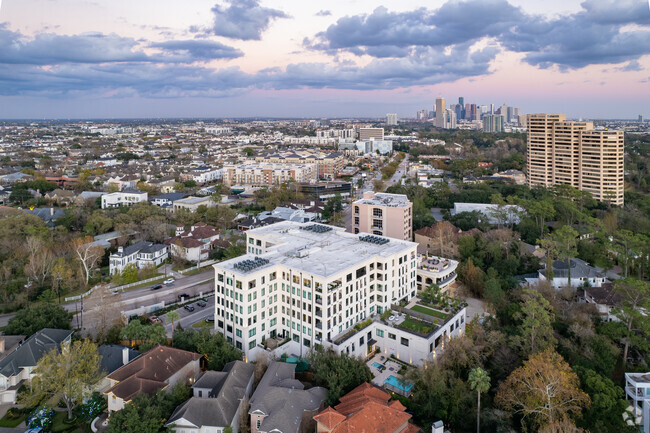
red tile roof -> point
(366, 409)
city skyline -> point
(290, 59)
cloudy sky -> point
(335, 58)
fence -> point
(137, 283)
(203, 265)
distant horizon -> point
(257, 58)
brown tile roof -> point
(149, 372)
(366, 409)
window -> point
(238, 332)
(392, 336)
(251, 345)
(380, 333)
(404, 341)
(251, 332)
(376, 212)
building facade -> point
(310, 283)
(141, 254)
(269, 174)
(576, 154)
(366, 134)
(383, 214)
(123, 198)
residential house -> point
(47, 214)
(252, 223)
(365, 409)
(289, 214)
(582, 274)
(435, 270)
(193, 244)
(160, 368)
(16, 368)
(88, 197)
(142, 254)
(112, 357)
(217, 400)
(438, 239)
(123, 182)
(281, 404)
(128, 197)
(15, 178)
(166, 201)
(605, 298)
(60, 196)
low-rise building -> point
(160, 368)
(261, 174)
(217, 401)
(16, 368)
(141, 254)
(281, 404)
(128, 197)
(192, 203)
(582, 274)
(637, 392)
(605, 298)
(194, 244)
(167, 200)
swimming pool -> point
(396, 383)
(378, 366)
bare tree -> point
(244, 419)
(40, 261)
(104, 309)
(88, 254)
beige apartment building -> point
(576, 154)
(328, 164)
(383, 214)
(255, 174)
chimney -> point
(125, 355)
(2, 344)
(438, 427)
(51, 211)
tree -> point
(172, 316)
(565, 239)
(106, 308)
(148, 414)
(480, 382)
(444, 240)
(30, 320)
(472, 277)
(635, 302)
(536, 323)
(544, 390)
(40, 260)
(68, 374)
(98, 223)
(338, 373)
(150, 334)
(542, 211)
(214, 347)
(62, 276)
(87, 253)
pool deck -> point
(391, 369)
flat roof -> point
(317, 253)
(386, 199)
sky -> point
(336, 58)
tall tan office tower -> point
(576, 154)
(440, 112)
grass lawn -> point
(7, 421)
(202, 324)
(416, 325)
(59, 424)
(430, 312)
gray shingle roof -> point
(217, 410)
(283, 399)
(32, 350)
(579, 269)
(111, 356)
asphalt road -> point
(192, 285)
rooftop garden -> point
(416, 325)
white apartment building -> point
(269, 174)
(312, 284)
(637, 392)
(192, 203)
(436, 270)
(128, 197)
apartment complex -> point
(576, 154)
(260, 174)
(383, 214)
(328, 164)
(128, 197)
(311, 283)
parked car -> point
(169, 281)
(209, 319)
(189, 307)
(157, 286)
(201, 304)
(183, 296)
